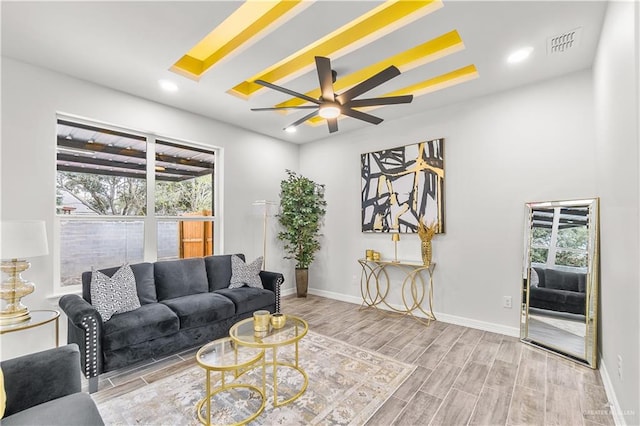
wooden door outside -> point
(196, 237)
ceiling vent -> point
(564, 42)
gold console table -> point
(375, 285)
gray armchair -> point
(43, 388)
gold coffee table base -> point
(289, 335)
(224, 387)
(225, 356)
(277, 403)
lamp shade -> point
(265, 207)
(22, 239)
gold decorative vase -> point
(426, 253)
(426, 233)
(278, 320)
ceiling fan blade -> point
(333, 124)
(282, 108)
(303, 119)
(287, 91)
(362, 116)
(390, 100)
(325, 78)
(368, 84)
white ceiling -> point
(129, 46)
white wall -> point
(534, 143)
(253, 165)
(616, 104)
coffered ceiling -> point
(448, 51)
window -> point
(124, 196)
(560, 237)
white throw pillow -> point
(114, 295)
(245, 273)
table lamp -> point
(395, 238)
(20, 239)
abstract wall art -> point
(400, 185)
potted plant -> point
(302, 208)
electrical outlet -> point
(620, 367)
(506, 302)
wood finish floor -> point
(464, 376)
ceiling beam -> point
(134, 153)
(76, 169)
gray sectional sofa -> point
(184, 303)
(559, 291)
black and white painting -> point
(401, 185)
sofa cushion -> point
(116, 294)
(201, 309)
(540, 275)
(71, 410)
(145, 284)
(248, 299)
(245, 273)
(145, 323)
(561, 280)
(176, 278)
(219, 270)
(582, 283)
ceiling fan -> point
(331, 105)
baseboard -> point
(451, 319)
(336, 296)
(616, 411)
(480, 325)
(287, 291)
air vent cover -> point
(564, 42)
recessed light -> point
(290, 129)
(520, 55)
(168, 86)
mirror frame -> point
(592, 283)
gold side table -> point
(290, 334)
(224, 355)
(38, 318)
(375, 285)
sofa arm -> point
(272, 281)
(36, 378)
(84, 329)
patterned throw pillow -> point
(114, 295)
(245, 274)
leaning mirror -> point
(560, 278)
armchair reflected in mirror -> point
(560, 278)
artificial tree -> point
(302, 208)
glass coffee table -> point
(289, 335)
(224, 355)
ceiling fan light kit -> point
(329, 110)
(330, 105)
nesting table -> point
(286, 337)
(224, 355)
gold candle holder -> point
(369, 254)
(376, 256)
(261, 321)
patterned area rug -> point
(347, 385)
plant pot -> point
(302, 281)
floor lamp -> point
(265, 209)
